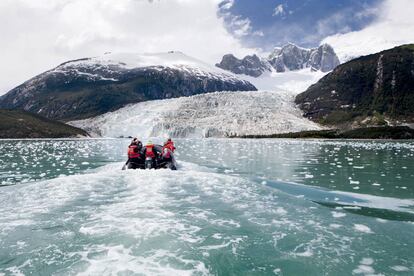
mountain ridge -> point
(88, 87)
(282, 59)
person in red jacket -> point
(135, 156)
(150, 150)
(169, 144)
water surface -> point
(234, 207)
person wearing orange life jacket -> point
(135, 156)
(151, 152)
(169, 144)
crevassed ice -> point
(217, 114)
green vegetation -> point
(400, 132)
(21, 124)
(368, 89)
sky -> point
(305, 22)
(37, 35)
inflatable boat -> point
(164, 159)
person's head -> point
(169, 140)
(135, 141)
(149, 143)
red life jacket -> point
(150, 151)
(132, 153)
(170, 145)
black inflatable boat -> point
(164, 159)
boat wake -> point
(192, 221)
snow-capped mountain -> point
(213, 114)
(288, 58)
(91, 86)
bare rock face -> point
(288, 58)
(323, 58)
(250, 65)
(292, 57)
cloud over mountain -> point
(41, 34)
(393, 27)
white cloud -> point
(279, 10)
(240, 26)
(227, 4)
(38, 35)
(393, 27)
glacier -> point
(219, 114)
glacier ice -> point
(218, 114)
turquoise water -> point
(234, 207)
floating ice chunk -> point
(400, 268)
(338, 214)
(364, 269)
(277, 271)
(335, 226)
(363, 228)
(367, 261)
(307, 253)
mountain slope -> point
(92, 86)
(207, 115)
(370, 90)
(21, 124)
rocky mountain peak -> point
(250, 65)
(290, 57)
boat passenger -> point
(135, 157)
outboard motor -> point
(149, 163)
(166, 154)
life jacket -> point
(132, 153)
(150, 151)
(170, 145)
